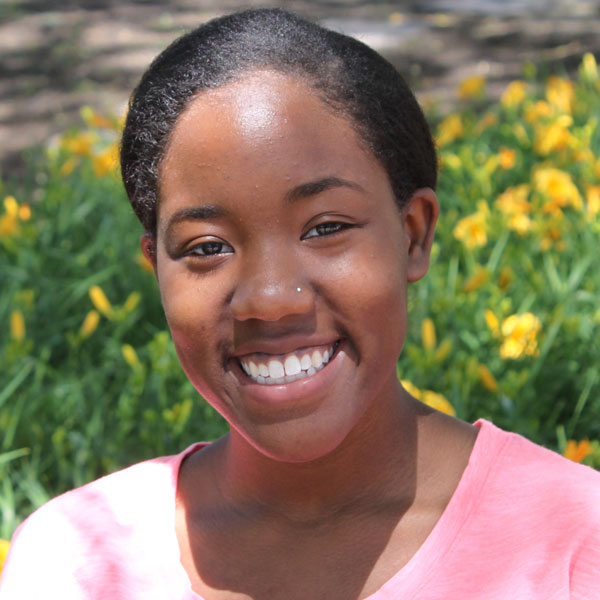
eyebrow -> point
(312, 188)
(304, 190)
(195, 213)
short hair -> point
(351, 78)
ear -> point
(420, 215)
(148, 246)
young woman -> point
(284, 175)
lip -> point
(297, 392)
(279, 347)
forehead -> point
(259, 106)
(265, 129)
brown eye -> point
(322, 229)
(210, 249)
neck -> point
(375, 465)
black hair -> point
(349, 76)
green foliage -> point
(505, 326)
(513, 290)
(74, 403)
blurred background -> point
(506, 325)
(56, 56)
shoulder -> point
(116, 498)
(529, 470)
(549, 500)
(101, 523)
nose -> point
(270, 287)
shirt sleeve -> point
(40, 562)
(585, 567)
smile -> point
(268, 369)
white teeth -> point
(292, 365)
(276, 369)
(305, 362)
(289, 370)
(316, 359)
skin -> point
(265, 190)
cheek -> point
(192, 315)
(369, 290)
(370, 278)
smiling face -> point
(283, 261)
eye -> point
(212, 248)
(328, 228)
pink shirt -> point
(524, 523)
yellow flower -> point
(428, 334)
(514, 200)
(93, 119)
(100, 301)
(106, 161)
(8, 225)
(487, 379)
(24, 212)
(554, 136)
(505, 278)
(519, 334)
(588, 68)
(17, 326)
(506, 158)
(472, 87)
(584, 155)
(443, 350)
(488, 120)
(130, 356)
(69, 166)
(514, 94)
(11, 206)
(144, 262)
(89, 324)
(132, 301)
(560, 93)
(81, 144)
(433, 399)
(521, 223)
(476, 280)
(521, 133)
(492, 322)
(4, 547)
(472, 230)
(514, 205)
(552, 237)
(437, 401)
(448, 159)
(538, 110)
(593, 200)
(412, 389)
(577, 451)
(559, 187)
(490, 165)
(450, 129)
